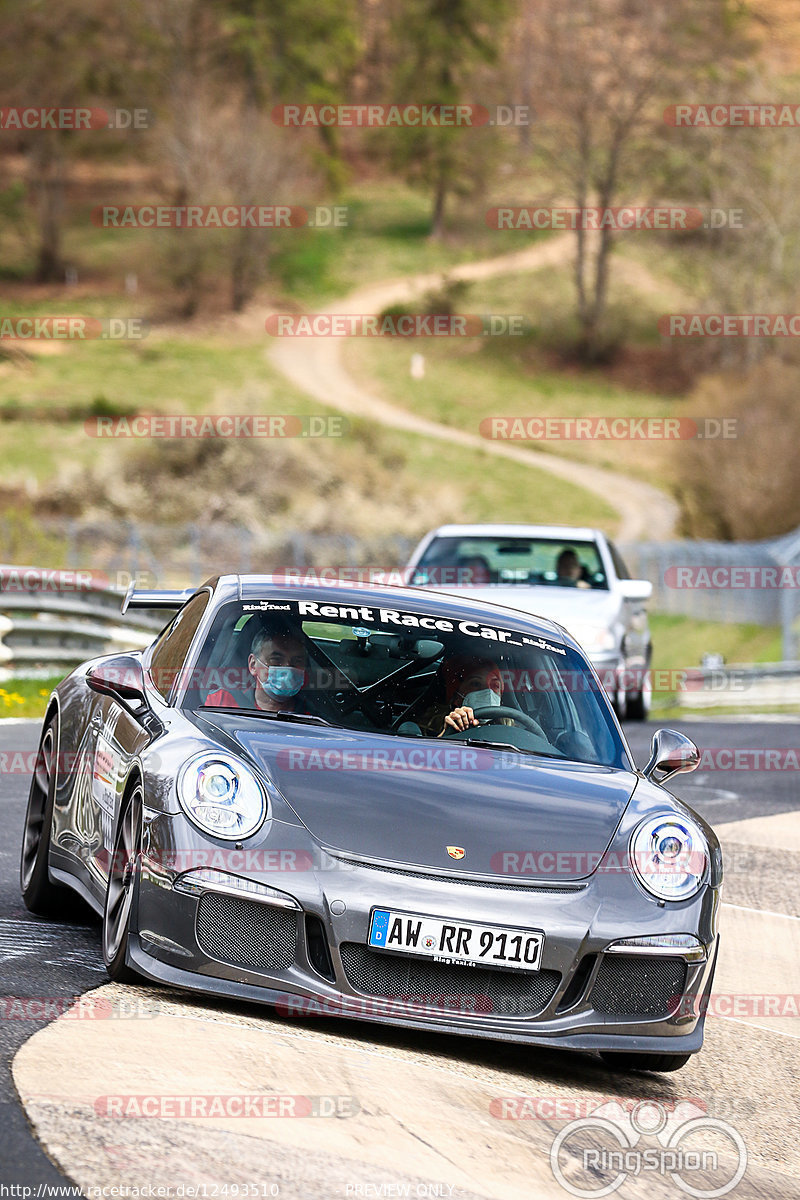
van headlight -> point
(221, 796)
(669, 854)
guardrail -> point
(756, 686)
(51, 621)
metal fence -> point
(743, 582)
(185, 555)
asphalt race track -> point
(395, 1112)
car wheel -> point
(621, 1060)
(39, 894)
(121, 889)
(638, 703)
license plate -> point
(456, 941)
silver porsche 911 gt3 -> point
(380, 803)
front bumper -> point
(174, 941)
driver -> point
(469, 683)
(569, 569)
(277, 664)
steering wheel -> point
(494, 712)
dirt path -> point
(316, 365)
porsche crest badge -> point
(456, 851)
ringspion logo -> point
(595, 1154)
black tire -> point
(623, 1060)
(638, 706)
(121, 892)
(637, 703)
(39, 893)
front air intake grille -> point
(441, 987)
(628, 985)
(246, 933)
(317, 946)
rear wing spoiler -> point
(154, 599)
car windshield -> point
(510, 561)
(395, 671)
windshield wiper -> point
(283, 714)
(489, 745)
(509, 746)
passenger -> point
(277, 665)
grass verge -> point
(26, 697)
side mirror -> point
(671, 753)
(121, 677)
(635, 589)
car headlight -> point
(221, 796)
(595, 637)
(670, 856)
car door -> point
(121, 733)
(634, 616)
(119, 737)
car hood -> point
(406, 800)
(561, 604)
(577, 609)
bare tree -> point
(604, 70)
(72, 57)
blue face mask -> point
(485, 698)
(283, 682)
